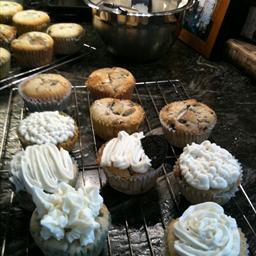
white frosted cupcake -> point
(48, 127)
(204, 229)
(68, 37)
(127, 166)
(207, 172)
(42, 166)
(70, 222)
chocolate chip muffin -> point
(30, 20)
(109, 116)
(68, 37)
(33, 49)
(187, 121)
(7, 34)
(111, 82)
(46, 92)
(8, 9)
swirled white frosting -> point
(68, 213)
(204, 229)
(43, 166)
(47, 127)
(126, 151)
(207, 165)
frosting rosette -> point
(68, 214)
(204, 229)
(126, 151)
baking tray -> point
(138, 222)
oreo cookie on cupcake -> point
(46, 92)
(127, 167)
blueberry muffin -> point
(111, 82)
(7, 34)
(5, 62)
(33, 49)
(187, 121)
(109, 116)
(68, 37)
(30, 20)
(8, 9)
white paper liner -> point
(134, 185)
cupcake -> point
(8, 9)
(187, 121)
(111, 82)
(127, 167)
(5, 62)
(7, 34)
(33, 49)
(110, 116)
(42, 166)
(204, 229)
(207, 172)
(30, 20)
(68, 37)
(48, 127)
(70, 222)
(46, 92)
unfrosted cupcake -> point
(30, 20)
(204, 229)
(207, 172)
(111, 82)
(68, 37)
(48, 127)
(46, 92)
(43, 166)
(7, 34)
(127, 167)
(187, 121)
(33, 49)
(8, 9)
(5, 62)
(110, 116)
(70, 222)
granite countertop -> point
(219, 84)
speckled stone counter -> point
(220, 85)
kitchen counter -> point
(219, 84)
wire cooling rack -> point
(138, 222)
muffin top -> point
(204, 229)
(65, 30)
(7, 33)
(32, 41)
(110, 80)
(189, 116)
(4, 56)
(31, 17)
(125, 152)
(45, 87)
(47, 127)
(42, 166)
(10, 8)
(69, 214)
(208, 166)
(119, 112)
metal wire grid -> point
(138, 223)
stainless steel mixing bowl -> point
(134, 34)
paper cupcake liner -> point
(244, 247)
(33, 58)
(38, 105)
(5, 68)
(25, 199)
(68, 45)
(21, 29)
(133, 185)
(126, 93)
(196, 196)
(180, 138)
(52, 247)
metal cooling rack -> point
(138, 222)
